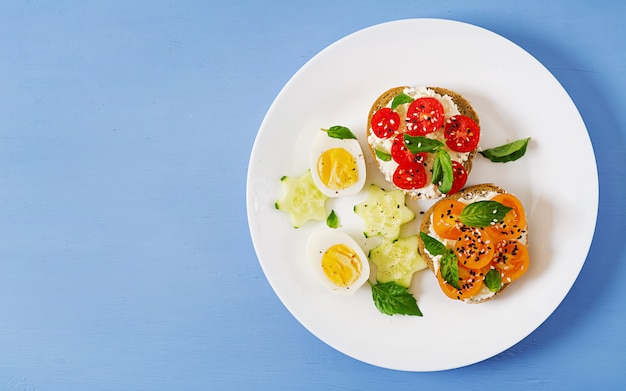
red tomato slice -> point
(459, 175)
(462, 134)
(385, 122)
(424, 115)
(511, 259)
(474, 248)
(410, 176)
(401, 154)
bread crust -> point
(475, 192)
(464, 106)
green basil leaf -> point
(384, 156)
(483, 213)
(400, 100)
(437, 173)
(432, 245)
(443, 175)
(449, 266)
(340, 132)
(391, 298)
(493, 280)
(332, 220)
(507, 152)
(417, 144)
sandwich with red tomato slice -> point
(423, 139)
(475, 241)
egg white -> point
(322, 143)
(321, 240)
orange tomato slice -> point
(514, 223)
(511, 259)
(470, 282)
(474, 248)
(446, 220)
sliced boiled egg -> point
(337, 260)
(337, 165)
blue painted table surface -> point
(126, 262)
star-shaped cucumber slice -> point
(301, 199)
(397, 260)
(384, 212)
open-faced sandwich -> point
(476, 242)
(423, 139)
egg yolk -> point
(337, 169)
(342, 265)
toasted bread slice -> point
(384, 100)
(468, 195)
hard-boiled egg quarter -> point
(337, 165)
(337, 260)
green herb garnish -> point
(385, 157)
(449, 266)
(340, 132)
(400, 99)
(493, 280)
(417, 144)
(432, 245)
(332, 220)
(483, 213)
(507, 152)
(443, 175)
(391, 298)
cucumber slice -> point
(397, 260)
(302, 199)
(384, 212)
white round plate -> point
(515, 97)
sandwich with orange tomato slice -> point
(476, 242)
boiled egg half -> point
(337, 165)
(337, 260)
